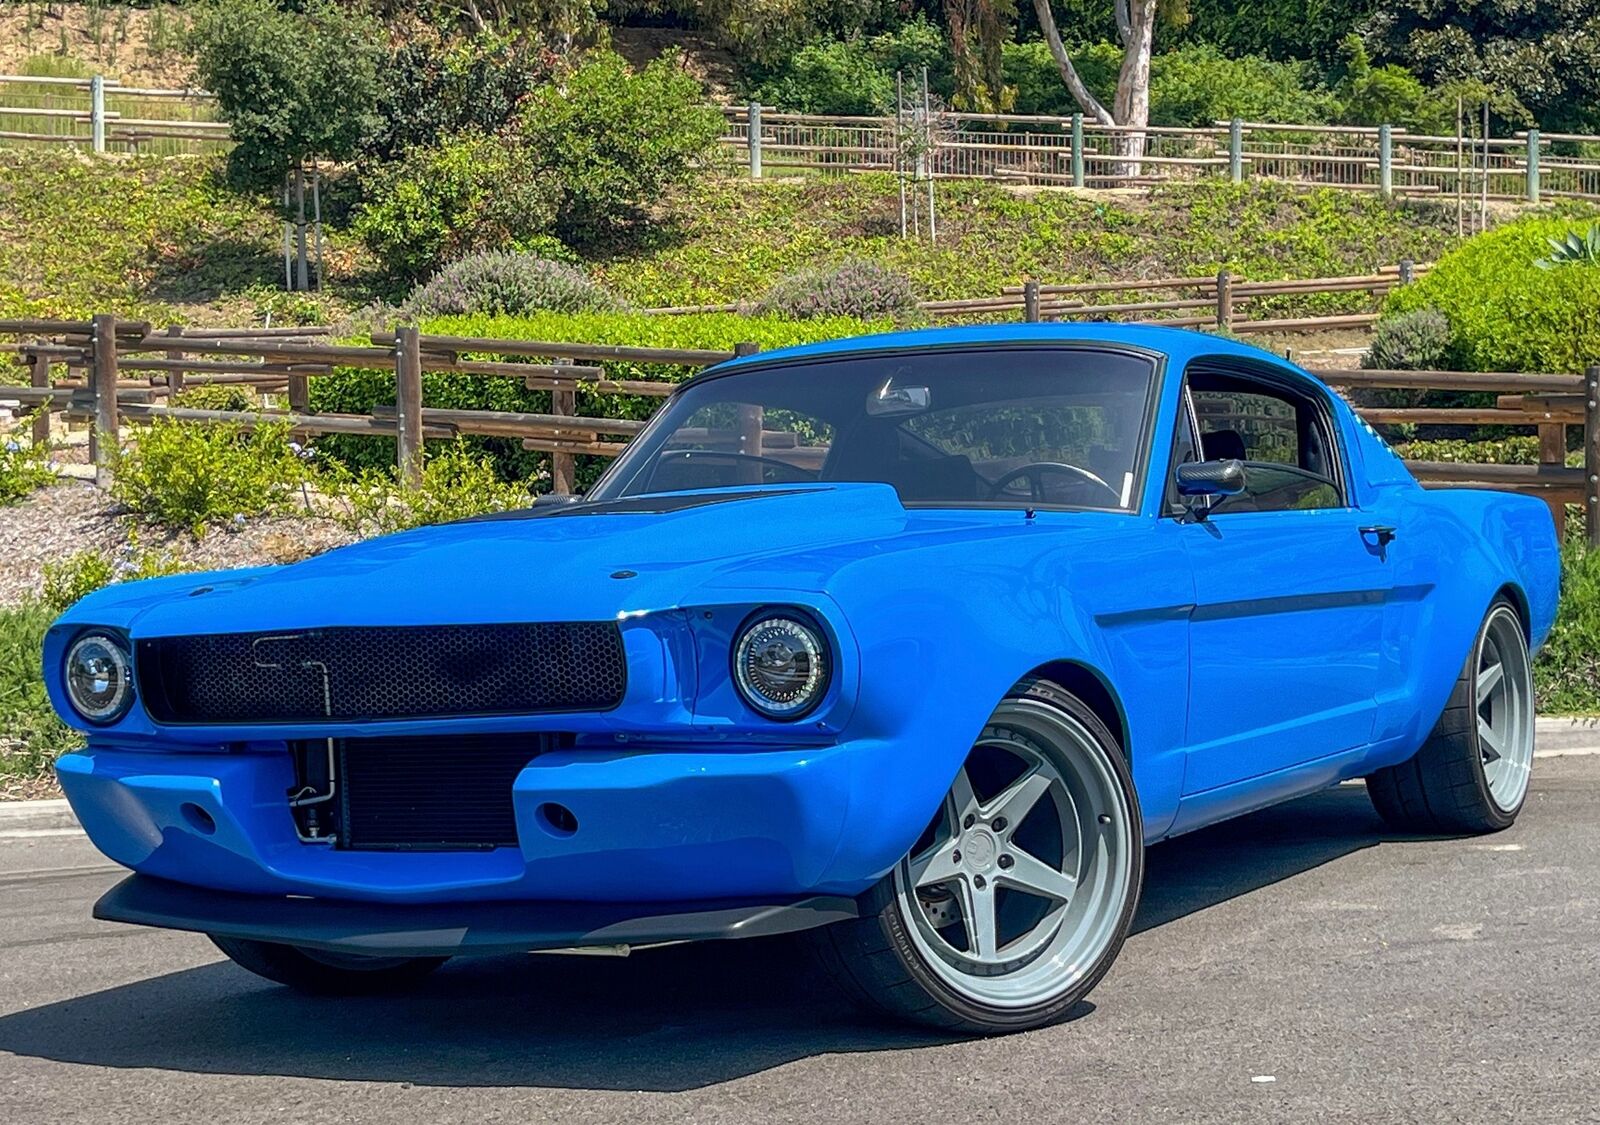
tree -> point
(979, 30)
(293, 86)
(1136, 25)
(1540, 61)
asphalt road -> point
(1298, 965)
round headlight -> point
(781, 666)
(99, 678)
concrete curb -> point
(36, 816)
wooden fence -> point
(1035, 149)
(1219, 301)
(117, 370)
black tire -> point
(874, 959)
(1443, 789)
(326, 974)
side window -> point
(1282, 437)
(729, 444)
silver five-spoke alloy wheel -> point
(1503, 706)
(1021, 884)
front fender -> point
(945, 632)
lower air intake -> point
(433, 793)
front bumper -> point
(656, 825)
(455, 929)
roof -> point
(1179, 344)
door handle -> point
(1383, 533)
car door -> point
(1291, 581)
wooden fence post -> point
(564, 403)
(1533, 165)
(1386, 160)
(1224, 302)
(103, 381)
(1591, 454)
(1030, 300)
(174, 378)
(408, 403)
(1236, 150)
(1077, 150)
(40, 368)
(753, 119)
(1553, 452)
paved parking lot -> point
(1298, 964)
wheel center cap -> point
(979, 849)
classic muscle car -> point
(910, 642)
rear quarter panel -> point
(1459, 550)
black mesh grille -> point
(431, 793)
(374, 673)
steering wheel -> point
(1034, 475)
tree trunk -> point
(1136, 21)
(1133, 84)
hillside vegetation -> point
(164, 239)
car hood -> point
(585, 562)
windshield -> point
(1003, 427)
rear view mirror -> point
(1211, 478)
(890, 400)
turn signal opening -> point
(557, 819)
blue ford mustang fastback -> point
(910, 642)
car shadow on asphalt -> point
(663, 1020)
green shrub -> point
(1199, 86)
(856, 75)
(191, 476)
(1566, 675)
(1519, 450)
(432, 90)
(855, 288)
(1410, 341)
(359, 391)
(83, 572)
(235, 397)
(293, 85)
(456, 483)
(23, 468)
(1194, 85)
(1506, 313)
(504, 282)
(472, 192)
(31, 736)
(1031, 70)
(616, 140)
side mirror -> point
(1207, 479)
(552, 500)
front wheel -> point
(1019, 894)
(325, 973)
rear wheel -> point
(323, 972)
(1472, 773)
(1018, 896)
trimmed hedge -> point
(358, 392)
(1506, 312)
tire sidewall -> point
(1501, 818)
(896, 927)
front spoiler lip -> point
(456, 929)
